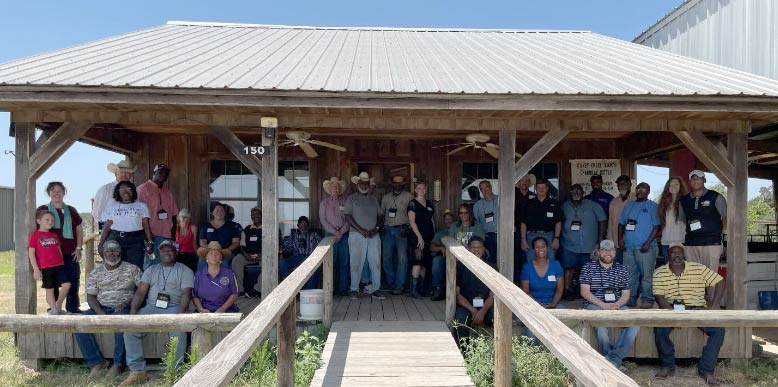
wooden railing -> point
(586, 364)
(89, 251)
(202, 326)
(668, 318)
(278, 308)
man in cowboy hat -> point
(394, 241)
(523, 195)
(104, 196)
(335, 225)
(162, 206)
(364, 215)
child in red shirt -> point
(46, 260)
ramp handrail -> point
(279, 307)
(587, 365)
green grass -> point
(7, 265)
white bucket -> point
(312, 304)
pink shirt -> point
(331, 214)
(156, 199)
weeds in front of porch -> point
(533, 365)
(174, 371)
(758, 372)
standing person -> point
(542, 218)
(541, 278)
(364, 215)
(523, 195)
(474, 299)
(215, 287)
(186, 239)
(598, 195)
(638, 227)
(439, 257)
(296, 249)
(166, 289)
(488, 216)
(251, 253)
(583, 229)
(45, 254)
(682, 285)
(123, 171)
(671, 214)
(221, 230)
(421, 214)
(67, 225)
(706, 213)
(162, 206)
(127, 221)
(335, 225)
(394, 240)
(624, 185)
(605, 286)
(109, 291)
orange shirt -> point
(157, 199)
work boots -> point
(437, 294)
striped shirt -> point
(301, 243)
(599, 278)
(689, 287)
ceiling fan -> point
(477, 141)
(303, 140)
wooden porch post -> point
(737, 222)
(269, 208)
(24, 223)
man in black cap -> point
(474, 299)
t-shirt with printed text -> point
(47, 249)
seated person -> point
(251, 253)
(605, 286)
(297, 247)
(439, 258)
(542, 279)
(166, 288)
(682, 285)
(474, 299)
(215, 288)
(221, 230)
(109, 290)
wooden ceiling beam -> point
(235, 145)
(55, 146)
(538, 151)
(710, 154)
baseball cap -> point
(607, 244)
(168, 243)
(161, 166)
(697, 173)
(475, 238)
(675, 244)
(111, 245)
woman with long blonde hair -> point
(671, 214)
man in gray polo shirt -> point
(365, 218)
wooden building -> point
(194, 95)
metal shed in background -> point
(7, 216)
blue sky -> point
(33, 27)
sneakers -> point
(377, 295)
(353, 295)
(134, 378)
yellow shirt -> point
(689, 287)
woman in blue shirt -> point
(541, 278)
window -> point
(474, 173)
(233, 184)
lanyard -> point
(165, 277)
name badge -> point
(392, 212)
(705, 203)
(575, 226)
(161, 214)
(162, 300)
(552, 278)
(341, 208)
(478, 302)
(695, 225)
(680, 307)
(209, 229)
(489, 217)
(549, 214)
(610, 295)
(631, 224)
(253, 238)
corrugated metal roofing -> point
(241, 56)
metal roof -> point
(392, 60)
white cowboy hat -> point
(532, 179)
(398, 179)
(363, 176)
(126, 165)
(333, 180)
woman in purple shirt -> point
(215, 288)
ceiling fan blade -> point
(490, 145)
(285, 143)
(458, 149)
(308, 149)
(327, 145)
(448, 145)
(491, 151)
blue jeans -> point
(340, 264)
(548, 236)
(133, 341)
(133, 247)
(438, 271)
(394, 244)
(87, 342)
(614, 353)
(362, 251)
(286, 265)
(710, 352)
(619, 255)
(490, 242)
(641, 273)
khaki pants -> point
(706, 255)
(238, 266)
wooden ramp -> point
(391, 353)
